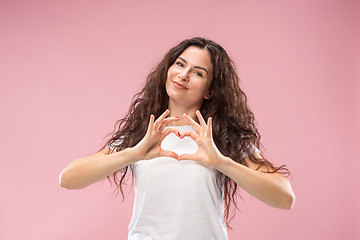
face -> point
(189, 78)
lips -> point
(178, 85)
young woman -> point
(189, 140)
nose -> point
(184, 75)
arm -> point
(85, 171)
(270, 188)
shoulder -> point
(254, 165)
(114, 144)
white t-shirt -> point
(176, 199)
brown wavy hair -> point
(234, 130)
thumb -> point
(165, 153)
(187, 157)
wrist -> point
(135, 155)
(223, 163)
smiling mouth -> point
(178, 85)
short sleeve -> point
(255, 149)
(115, 144)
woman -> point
(189, 140)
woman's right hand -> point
(150, 146)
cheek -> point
(200, 86)
(167, 84)
(172, 74)
(168, 76)
(171, 71)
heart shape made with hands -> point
(180, 146)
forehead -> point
(196, 56)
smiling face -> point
(189, 78)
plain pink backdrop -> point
(69, 69)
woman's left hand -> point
(207, 154)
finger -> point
(190, 134)
(151, 124)
(187, 157)
(166, 120)
(209, 123)
(195, 125)
(165, 153)
(160, 119)
(201, 119)
(167, 131)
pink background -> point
(69, 69)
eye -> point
(179, 64)
(199, 74)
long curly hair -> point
(234, 130)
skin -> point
(270, 188)
(195, 79)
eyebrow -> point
(195, 66)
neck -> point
(179, 110)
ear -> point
(208, 95)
